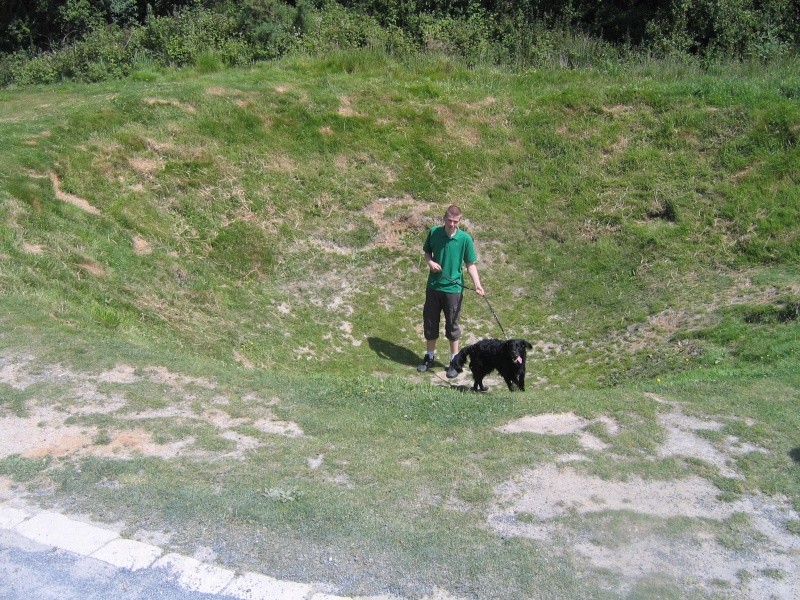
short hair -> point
(452, 210)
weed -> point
(23, 469)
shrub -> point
(193, 36)
(522, 43)
(337, 28)
(272, 27)
(26, 70)
(726, 28)
(468, 37)
(180, 39)
(105, 53)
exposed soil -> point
(396, 217)
(42, 430)
(557, 503)
(71, 198)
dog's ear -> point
(458, 361)
(528, 345)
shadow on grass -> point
(404, 356)
(391, 351)
(794, 454)
(465, 389)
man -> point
(447, 249)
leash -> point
(450, 383)
(466, 287)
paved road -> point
(31, 571)
(46, 555)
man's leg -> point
(454, 344)
(430, 326)
(452, 310)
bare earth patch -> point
(187, 108)
(141, 246)
(562, 424)
(395, 218)
(70, 198)
(44, 431)
(32, 248)
(92, 268)
(560, 505)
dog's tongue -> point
(518, 360)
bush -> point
(191, 37)
(725, 29)
(523, 44)
(26, 70)
(337, 28)
(105, 53)
(179, 40)
(272, 27)
(209, 35)
(468, 37)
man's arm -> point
(472, 269)
(432, 264)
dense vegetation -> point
(91, 40)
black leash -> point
(466, 287)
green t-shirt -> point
(451, 253)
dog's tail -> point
(459, 359)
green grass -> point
(639, 227)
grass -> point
(638, 227)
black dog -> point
(508, 357)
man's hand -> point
(434, 266)
(472, 269)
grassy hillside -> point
(280, 211)
(262, 229)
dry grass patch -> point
(280, 162)
(92, 268)
(187, 108)
(617, 109)
(345, 108)
(32, 248)
(146, 166)
(456, 128)
(141, 246)
(70, 198)
(395, 218)
(223, 91)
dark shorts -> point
(437, 303)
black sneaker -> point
(451, 372)
(427, 363)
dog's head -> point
(518, 350)
(458, 361)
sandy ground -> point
(556, 503)
(664, 530)
(46, 430)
